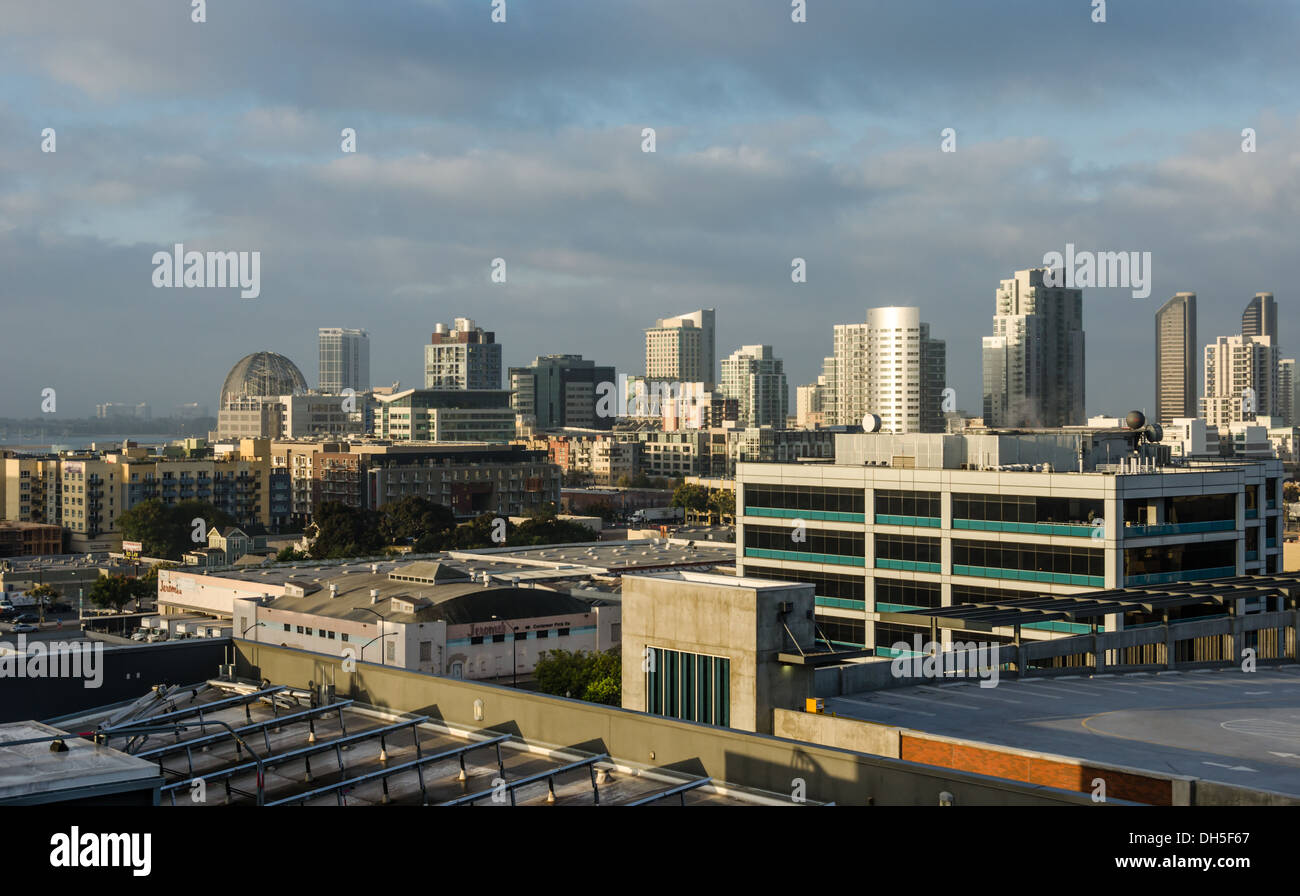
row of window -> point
(1025, 509)
(908, 548)
(825, 584)
(908, 503)
(1028, 557)
(802, 540)
(806, 497)
(323, 633)
(520, 636)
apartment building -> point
(888, 366)
(683, 348)
(924, 521)
(463, 356)
(446, 415)
(1034, 361)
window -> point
(498, 639)
(477, 639)
(390, 650)
(544, 633)
(286, 626)
(330, 635)
(343, 636)
(308, 631)
(563, 632)
(907, 503)
(300, 630)
(426, 651)
(689, 686)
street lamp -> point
(377, 637)
(514, 663)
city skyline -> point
(599, 238)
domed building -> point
(260, 375)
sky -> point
(522, 140)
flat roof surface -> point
(314, 772)
(32, 772)
(1219, 725)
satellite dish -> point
(1154, 432)
(871, 423)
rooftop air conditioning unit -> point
(334, 591)
(374, 595)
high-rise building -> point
(462, 357)
(1176, 351)
(683, 348)
(344, 360)
(561, 391)
(890, 367)
(755, 377)
(810, 404)
(1034, 361)
(1286, 396)
(1260, 317)
(1241, 380)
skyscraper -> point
(463, 357)
(1241, 380)
(888, 366)
(1034, 361)
(1176, 351)
(756, 379)
(683, 348)
(344, 360)
(1260, 317)
(1286, 394)
(561, 390)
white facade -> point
(889, 366)
(1241, 380)
(908, 537)
(683, 348)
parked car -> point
(26, 619)
(22, 628)
(8, 612)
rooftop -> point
(1229, 726)
(342, 752)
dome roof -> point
(263, 373)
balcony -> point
(1183, 575)
(1080, 530)
(1180, 528)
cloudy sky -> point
(522, 140)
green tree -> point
(415, 518)
(346, 531)
(290, 554)
(114, 591)
(594, 677)
(723, 503)
(167, 530)
(543, 530)
(691, 496)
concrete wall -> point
(731, 620)
(756, 761)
